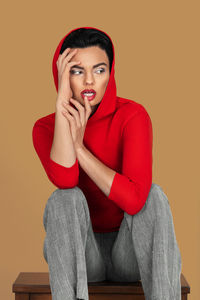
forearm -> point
(101, 174)
(62, 150)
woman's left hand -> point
(77, 119)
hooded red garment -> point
(120, 135)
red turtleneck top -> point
(120, 135)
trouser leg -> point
(68, 235)
(123, 265)
(156, 247)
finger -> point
(67, 66)
(77, 104)
(61, 56)
(67, 115)
(67, 50)
(68, 58)
(69, 55)
(81, 110)
(74, 113)
(70, 119)
(88, 107)
(65, 57)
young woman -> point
(106, 220)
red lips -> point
(88, 91)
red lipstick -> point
(89, 93)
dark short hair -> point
(85, 37)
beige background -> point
(157, 65)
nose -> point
(89, 78)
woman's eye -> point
(101, 70)
(75, 72)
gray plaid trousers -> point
(145, 247)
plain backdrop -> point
(157, 65)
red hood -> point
(108, 103)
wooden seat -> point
(35, 286)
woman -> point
(106, 220)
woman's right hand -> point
(63, 65)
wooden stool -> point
(35, 286)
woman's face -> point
(92, 73)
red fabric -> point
(120, 135)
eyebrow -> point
(78, 67)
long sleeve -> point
(130, 189)
(61, 176)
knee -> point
(157, 198)
(60, 196)
(62, 200)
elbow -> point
(141, 195)
(62, 177)
(135, 209)
(65, 180)
(64, 184)
(136, 206)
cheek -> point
(104, 83)
(74, 84)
